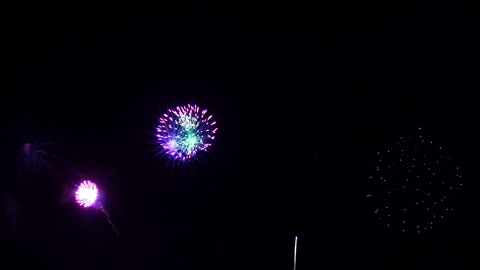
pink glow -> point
(86, 193)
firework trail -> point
(110, 221)
(295, 254)
(86, 196)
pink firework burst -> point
(86, 193)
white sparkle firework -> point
(86, 194)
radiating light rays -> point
(33, 153)
(86, 194)
(184, 131)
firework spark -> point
(86, 194)
(413, 185)
(184, 131)
(107, 216)
(34, 154)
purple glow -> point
(184, 131)
(86, 193)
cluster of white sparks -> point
(86, 194)
(184, 131)
(413, 185)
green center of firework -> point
(184, 131)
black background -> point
(304, 96)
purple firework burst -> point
(86, 194)
(184, 131)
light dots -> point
(413, 182)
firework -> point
(86, 194)
(413, 185)
(34, 155)
(184, 131)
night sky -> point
(305, 96)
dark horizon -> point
(304, 98)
